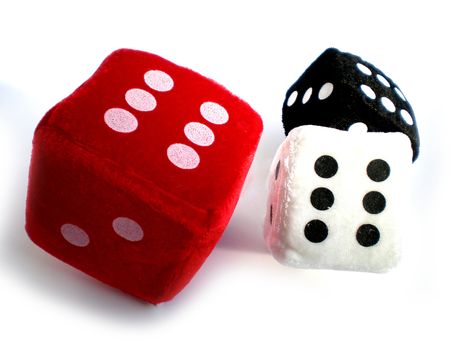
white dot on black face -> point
(374, 202)
(400, 94)
(358, 128)
(307, 95)
(316, 231)
(378, 170)
(368, 91)
(383, 80)
(292, 98)
(406, 116)
(387, 103)
(364, 69)
(367, 235)
(325, 91)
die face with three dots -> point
(337, 198)
(339, 90)
(135, 175)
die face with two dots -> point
(135, 176)
(340, 89)
(336, 199)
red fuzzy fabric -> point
(86, 174)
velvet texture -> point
(87, 174)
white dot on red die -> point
(140, 100)
(387, 103)
(199, 134)
(214, 113)
(120, 120)
(74, 235)
(325, 91)
(183, 156)
(128, 229)
(159, 80)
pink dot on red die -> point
(140, 100)
(183, 156)
(128, 229)
(159, 80)
(214, 113)
(199, 134)
(74, 235)
(120, 120)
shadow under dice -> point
(135, 176)
(336, 199)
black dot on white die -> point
(322, 198)
(270, 214)
(278, 166)
(326, 166)
(367, 235)
(316, 231)
(374, 202)
(378, 170)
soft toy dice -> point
(337, 198)
(135, 176)
(337, 184)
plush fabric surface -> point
(336, 199)
(135, 175)
(340, 89)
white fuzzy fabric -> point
(289, 197)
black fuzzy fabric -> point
(347, 104)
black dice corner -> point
(339, 90)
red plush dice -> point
(135, 175)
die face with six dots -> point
(135, 175)
(337, 198)
(339, 90)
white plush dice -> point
(336, 199)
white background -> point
(242, 298)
